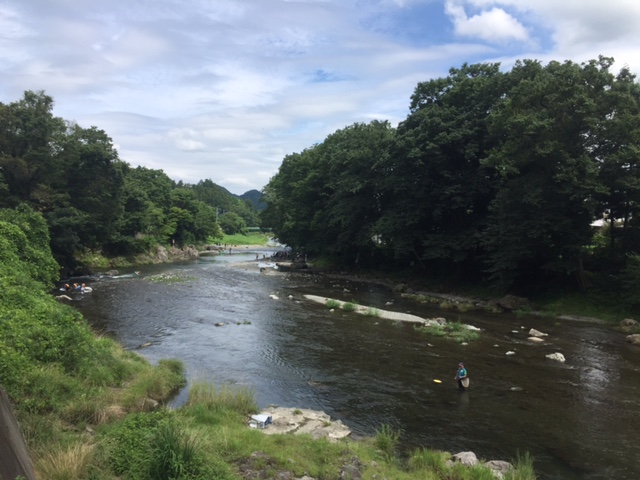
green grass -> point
(584, 305)
(331, 303)
(454, 330)
(169, 278)
(249, 239)
(349, 307)
(240, 400)
(386, 440)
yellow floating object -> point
(435, 380)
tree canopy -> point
(89, 197)
(494, 175)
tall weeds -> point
(240, 400)
(65, 464)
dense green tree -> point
(95, 185)
(29, 140)
(206, 225)
(147, 204)
(616, 147)
(326, 199)
(190, 220)
(436, 190)
(539, 220)
(352, 160)
(231, 223)
(294, 196)
(89, 197)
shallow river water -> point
(579, 419)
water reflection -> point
(579, 419)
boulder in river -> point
(556, 356)
(634, 339)
(537, 333)
(629, 322)
(629, 325)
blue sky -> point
(224, 89)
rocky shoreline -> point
(275, 420)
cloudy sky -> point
(224, 89)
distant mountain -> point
(254, 196)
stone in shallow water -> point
(556, 356)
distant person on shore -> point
(462, 377)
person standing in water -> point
(462, 377)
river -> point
(579, 419)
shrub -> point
(424, 459)
(386, 441)
(372, 312)
(454, 330)
(523, 468)
(174, 454)
(348, 307)
(129, 448)
(331, 303)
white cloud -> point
(494, 25)
(580, 30)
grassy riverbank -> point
(257, 238)
(209, 439)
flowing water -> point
(579, 419)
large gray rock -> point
(468, 459)
(537, 333)
(629, 325)
(298, 421)
(556, 356)
(629, 322)
(499, 467)
(535, 339)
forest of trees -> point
(92, 200)
(493, 176)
